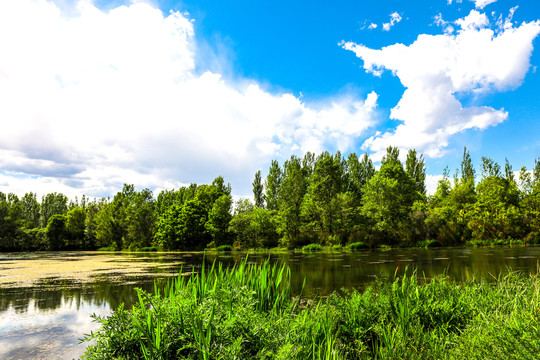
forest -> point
(329, 199)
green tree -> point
(325, 185)
(183, 227)
(140, 219)
(219, 219)
(258, 190)
(467, 169)
(52, 204)
(56, 232)
(291, 193)
(272, 185)
(75, 225)
(31, 210)
(416, 169)
(358, 174)
(388, 198)
(240, 224)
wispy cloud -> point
(394, 19)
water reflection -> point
(46, 320)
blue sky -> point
(165, 93)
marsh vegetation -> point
(248, 311)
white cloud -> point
(92, 99)
(480, 4)
(439, 21)
(432, 182)
(394, 19)
(372, 26)
(437, 67)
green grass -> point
(247, 312)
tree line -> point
(326, 199)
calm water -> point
(44, 319)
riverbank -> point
(248, 312)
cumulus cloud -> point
(435, 68)
(95, 98)
(394, 19)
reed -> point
(248, 312)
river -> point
(46, 299)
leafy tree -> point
(75, 225)
(31, 210)
(467, 169)
(325, 185)
(253, 227)
(57, 232)
(90, 223)
(388, 197)
(291, 193)
(183, 227)
(11, 223)
(240, 224)
(140, 218)
(415, 167)
(52, 204)
(272, 185)
(509, 175)
(219, 219)
(358, 174)
(258, 190)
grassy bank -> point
(248, 312)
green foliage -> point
(224, 248)
(247, 312)
(107, 248)
(312, 247)
(57, 232)
(219, 219)
(253, 227)
(258, 190)
(357, 245)
(272, 185)
(183, 227)
(326, 199)
(388, 197)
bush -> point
(224, 248)
(312, 247)
(357, 245)
(149, 248)
(107, 248)
(429, 243)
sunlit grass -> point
(247, 312)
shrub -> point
(312, 247)
(149, 248)
(224, 248)
(429, 243)
(107, 248)
(357, 245)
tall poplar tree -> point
(258, 190)
(272, 185)
(416, 168)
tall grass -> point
(247, 312)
